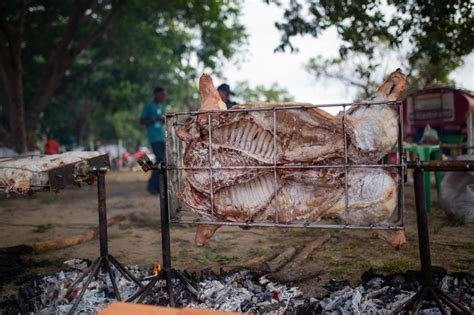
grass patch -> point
(256, 252)
(469, 245)
(178, 226)
(212, 256)
(340, 271)
(43, 228)
(48, 199)
(299, 232)
(354, 246)
(124, 226)
(395, 265)
(437, 228)
(144, 221)
(457, 220)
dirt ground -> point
(46, 216)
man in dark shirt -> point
(153, 118)
(225, 93)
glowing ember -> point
(156, 269)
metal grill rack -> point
(176, 170)
(58, 178)
(74, 174)
(171, 209)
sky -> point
(261, 65)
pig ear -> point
(394, 86)
(210, 99)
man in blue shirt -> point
(153, 118)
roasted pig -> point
(300, 137)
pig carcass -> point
(301, 137)
(20, 174)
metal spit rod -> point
(442, 166)
(275, 177)
(401, 169)
(287, 166)
(346, 195)
(294, 225)
(283, 107)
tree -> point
(431, 36)
(51, 50)
(16, 33)
(260, 93)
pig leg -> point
(394, 238)
(204, 232)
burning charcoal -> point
(336, 285)
(378, 302)
(78, 264)
(375, 283)
(338, 299)
(264, 297)
(263, 280)
(290, 293)
(248, 284)
(208, 274)
(245, 306)
(257, 289)
(309, 306)
(397, 280)
(369, 275)
(356, 298)
(377, 293)
(370, 307)
(343, 311)
(431, 311)
(242, 291)
(401, 301)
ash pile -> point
(241, 291)
(382, 294)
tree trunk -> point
(17, 113)
(22, 122)
(5, 137)
(11, 74)
(81, 129)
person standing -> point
(225, 93)
(153, 118)
(51, 146)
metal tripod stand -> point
(428, 290)
(105, 260)
(167, 273)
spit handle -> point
(145, 163)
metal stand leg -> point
(427, 290)
(167, 273)
(105, 261)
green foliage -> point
(430, 37)
(149, 43)
(397, 264)
(356, 70)
(212, 256)
(124, 227)
(260, 93)
(42, 228)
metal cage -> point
(176, 170)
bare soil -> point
(46, 216)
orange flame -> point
(155, 269)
